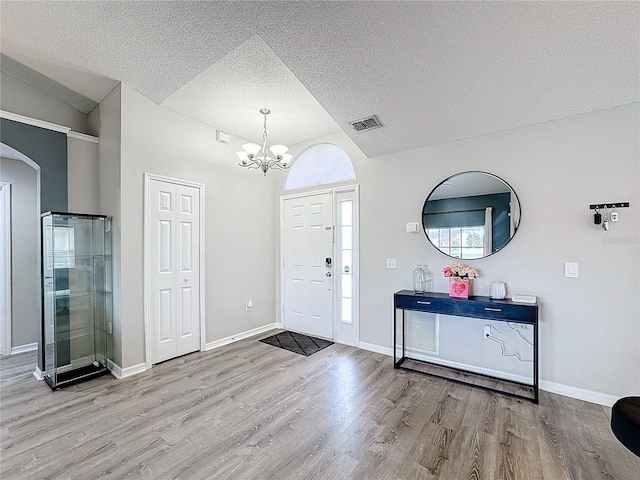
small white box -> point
(529, 299)
(412, 227)
(222, 137)
(571, 270)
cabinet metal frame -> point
(478, 307)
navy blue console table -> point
(475, 307)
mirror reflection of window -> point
(459, 242)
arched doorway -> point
(20, 297)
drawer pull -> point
(488, 309)
(423, 303)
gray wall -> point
(49, 150)
(239, 224)
(107, 119)
(18, 97)
(590, 328)
(83, 175)
(25, 274)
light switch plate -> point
(571, 270)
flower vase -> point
(459, 288)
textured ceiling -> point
(432, 71)
(230, 85)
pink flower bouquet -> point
(460, 272)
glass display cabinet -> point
(75, 298)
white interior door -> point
(308, 283)
(174, 276)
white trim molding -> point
(83, 137)
(241, 336)
(37, 373)
(29, 347)
(148, 177)
(600, 398)
(34, 122)
(121, 373)
(372, 347)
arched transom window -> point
(320, 165)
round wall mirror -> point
(471, 215)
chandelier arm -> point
(250, 164)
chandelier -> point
(256, 156)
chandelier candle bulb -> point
(278, 150)
(251, 148)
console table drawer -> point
(514, 313)
(425, 304)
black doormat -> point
(297, 343)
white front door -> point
(174, 263)
(308, 265)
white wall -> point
(239, 220)
(25, 274)
(83, 176)
(18, 97)
(590, 326)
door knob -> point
(328, 274)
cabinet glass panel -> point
(74, 297)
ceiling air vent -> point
(366, 124)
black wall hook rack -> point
(609, 205)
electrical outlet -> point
(520, 326)
(110, 328)
(248, 306)
(391, 263)
(487, 331)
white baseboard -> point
(38, 373)
(29, 347)
(552, 387)
(241, 336)
(372, 347)
(348, 344)
(121, 373)
(470, 368)
(579, 393)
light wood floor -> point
(253, 411)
